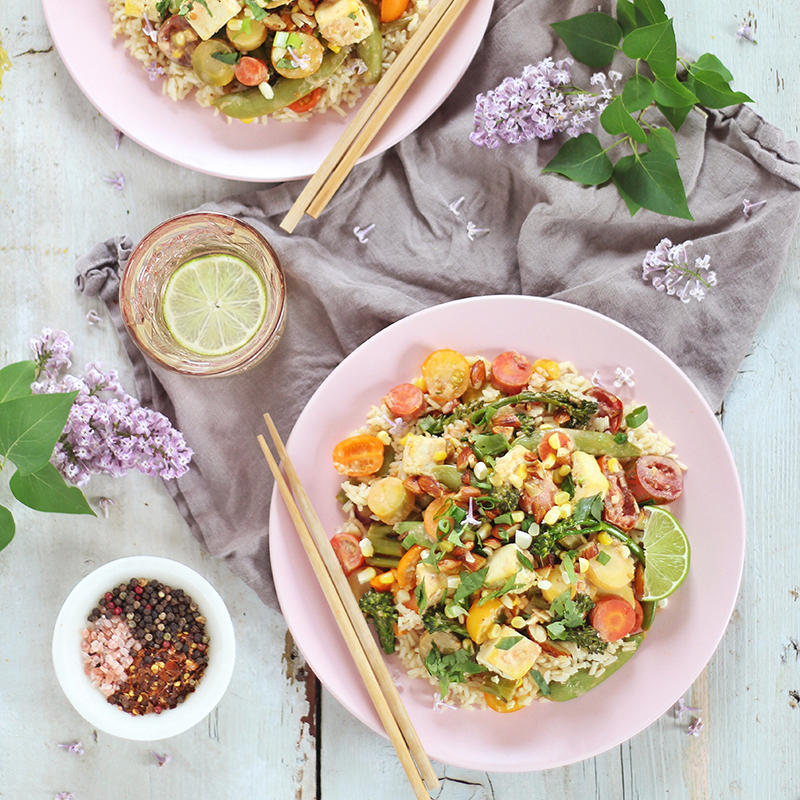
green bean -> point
(596, 443)
(449, 475)
(370, 50)
(250, 103)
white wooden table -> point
(276, 734)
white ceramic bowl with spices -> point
(86, 697)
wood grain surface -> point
(271, 737)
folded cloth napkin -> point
(515, 231)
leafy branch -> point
(648, 177)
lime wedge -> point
(666, 552)
(214, 304)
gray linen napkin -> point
(542, 235)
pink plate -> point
(193, 137)
(711, 511)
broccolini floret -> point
(380, 609)
(435, 620)
(506, 498)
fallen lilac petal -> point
(117, 182)
(748, 208)
(361, 233)
(65, 796)
(153, 70)
(745, 32)
(439, 705)
(471, 519)
(596, 379)
(161, 760)
(681, 708)
(149, 31)
(117, 138)
(695, 727)
(92, 317)
(104, 503)
(73, 747)
(623, 377)
(454, 206)
(473, 232)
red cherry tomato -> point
(510, 372)
(251, 71)
(348, 551)
(405, 401)
(619, 505)
(307, 102)
(654, 478)
(562, 453)
(608, 405)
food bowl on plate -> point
(202, 672)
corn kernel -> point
(523, 539)
(440, 455)
(496, 480)
(544, 584)
(420, 381)
(133, 8)
(522, 471)
(336, 49)
(565, 511)
(548, 368)
(552, 516)
(561, 498)
(446, 546)
(517, 516)
(557, 479)
(384, 437)
(481, 471)
(515, 481)
(495, 632)
(404, 439)
(604, 538)
(565, 470)
(366, 575)
(554, 441)
(517, 622)
(367, 548)
(550, 461)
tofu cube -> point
(207, 21)
(504, 564)
(419, 455)
(435, 583)
(512, 463)
(513, 659)
(343, 22)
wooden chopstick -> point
(367, 657)
(373, 113)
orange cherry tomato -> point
(359, 455)
(407, 568)
(307, 102)
(348, 551)
(496, 704)
(446, 375)
(392, 9)
(482, 617)
(434, 514)
(251, 71)
(613, 618)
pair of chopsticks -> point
(374, 112)
(357, 635)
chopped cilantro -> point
(540, 681)
(471, 582)
(450, 668)
(285, 63)
(524, 560)
(620, 437)
(569, 568)
(421, 595)
(507, 642)
(227, 58)
(258, 12)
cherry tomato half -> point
(348, 551)
(307, 102)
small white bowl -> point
(87, 699)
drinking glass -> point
(156, 258)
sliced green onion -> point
(637, 417)
(281, 39)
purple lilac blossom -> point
(695, 727)
(538, 104)
(745, 32)
(456, 204)
(473, 231)
(117, 138)
(107, 431)
(73, 747)
(65, 796)
(623, 377)
(667, 267)
(362, 233)
(161, 760)
(118, 182)
(748, 208)
(153, 70)
(681, 708)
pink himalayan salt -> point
(107, 645)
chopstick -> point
(351, 622)
(374, 112)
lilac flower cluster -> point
(667, 267)
(539, 104)
(107, 431)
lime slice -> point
(666, 552)
(214, 304)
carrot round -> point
(613, 618)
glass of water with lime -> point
(203, 294)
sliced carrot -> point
(407, 568)
(392, 9)
(434, 514)
(384, 581)
(358, 455)
(613, 618)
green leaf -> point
(582, 159)
(654, 44)
(638, 93)
(45, 490)
(675, 116)
(16, 380)
(629, 17)
(507, 642)
(710, 62)
(591, 38)
(655, 183)
(620, 168)
(616, 119)
(662, 139)
(712, 90)
(652, 10)
(7, 527)
(669, 91)
(30, 427)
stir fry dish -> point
(257, 58)
(506, 527)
